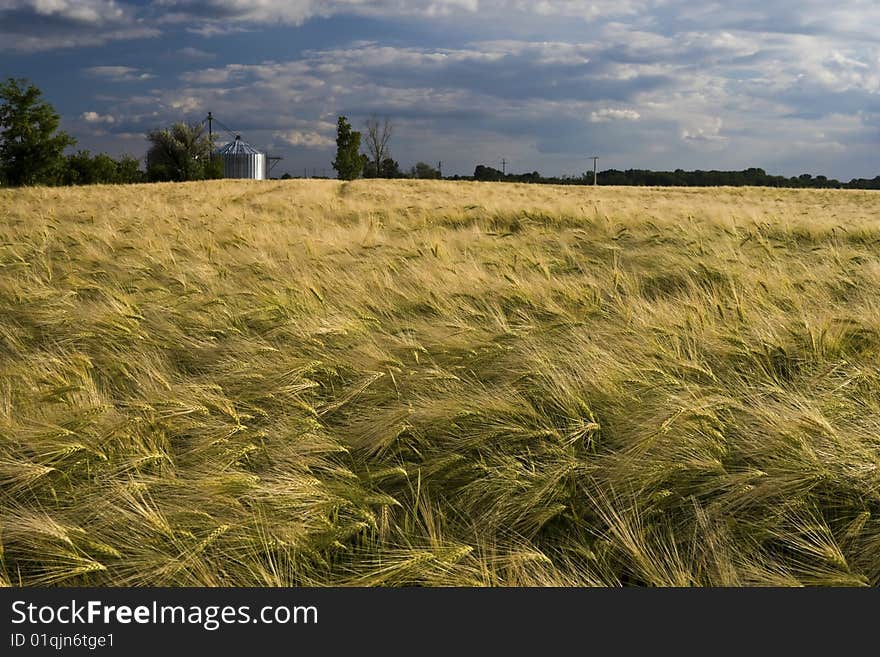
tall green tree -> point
(31, 146)
(349, 162)
(181, 152)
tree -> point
(181, 152)
(128, 170)
(31, 146)
(213, 168)
(378, 136)
(390, 169)
(424, 170)
(482, 172)
(349, 162)
(78, 169)
(83, 169)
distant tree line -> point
(754, 177)
(679, 178)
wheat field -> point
(438, 384)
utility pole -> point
(440, 168)
(503, 167)
(595, 170)
(211, 135)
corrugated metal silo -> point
(241, 160)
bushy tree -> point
(424, 170)
(482, 172)
(128, 170)
(349, 163)
(179, 153)
(31, 146)
(83, 169)
(390, 169)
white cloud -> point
(575, 8)
(843, 72)
(540, 52)
(216, 15)
(80, 11)
(707, 130)
(118, 73)
(306, 139)
(610, 114)
(194, 53)
(39, 25)
(186, 104)
(94, 117)
(209, 30)
(296, 12)
(373, 56)
(34, 43)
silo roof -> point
(238, 147)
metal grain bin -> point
(241, 160)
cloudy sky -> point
(788, 85)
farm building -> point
(241, 160)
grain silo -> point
(241, 160)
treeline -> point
(753, 177)
(81, 168)
(85, 169)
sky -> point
(788, 86)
